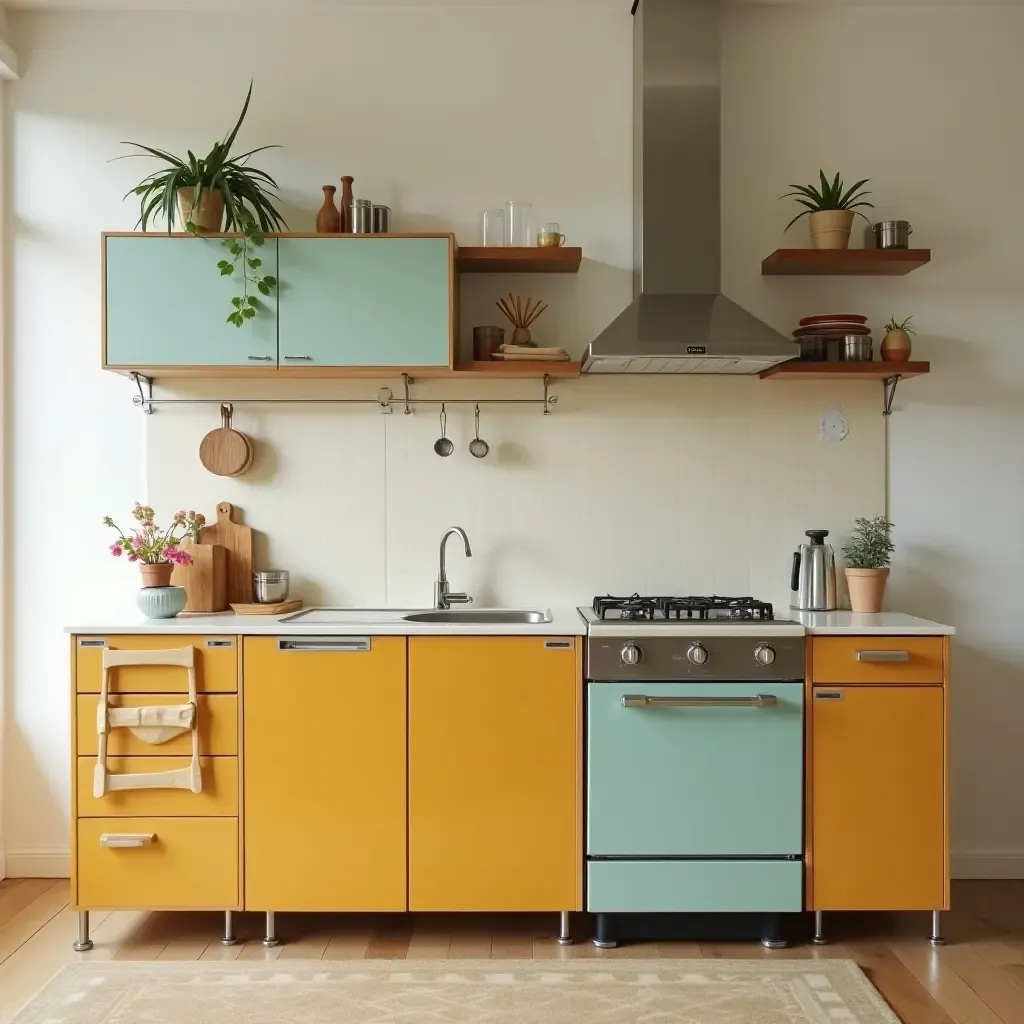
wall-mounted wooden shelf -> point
(798, 369)
(498, 369)
(500, 259)
(872, 262)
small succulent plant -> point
(833, 196)
(900, 325)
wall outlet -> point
(833, 425)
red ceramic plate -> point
(844, 318)
(831, 331)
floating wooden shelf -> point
(798, 369)
(499, 369)
(502, 259)
(877, 262)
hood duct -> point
(679, 321)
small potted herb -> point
(896, 344)
(157, 551)
(830, 210)
(218, 192)
(868, 555)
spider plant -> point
(831, 197)
(247, 191)
(901, 325)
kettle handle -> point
(794, 579)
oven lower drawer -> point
(695, 886)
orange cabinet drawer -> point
(877, 659)
(216, 664)
(218, 798)
(218, 726)
(178, 864)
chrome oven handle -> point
(640, 700)
(882, 656)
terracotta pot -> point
(156, 575)
(210, 215)
(830, 229)
(867, 589)
(896, 346)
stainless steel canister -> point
(362, 216)
(381, 220)
(855, 348)
(270, 587)
(892, 234)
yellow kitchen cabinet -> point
(494, 774)
(216, 659)
(324, 726)
(878, 804)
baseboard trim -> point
(3, 865)
(988, 864)
(38, 864)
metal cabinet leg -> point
(936, 938)
(83, 943)
(270, 939)
(819, 928)
(229, 929)
(564, 930)
(604, 932)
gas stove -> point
(690, 638)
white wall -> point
(925, 102)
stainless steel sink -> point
(483, 616)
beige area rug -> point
(462, 992)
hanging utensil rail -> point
(386, 399)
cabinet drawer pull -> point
(306, 358)
(126, 840)
(340, 644)
(557, 645)
(828, 694)
(882, 656)
(92, 643)
(220, 643)
(640, 700)
(260, 359)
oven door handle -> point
(640, 700)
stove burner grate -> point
(639, 608)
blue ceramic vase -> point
(161, 602)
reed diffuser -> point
(521, 317)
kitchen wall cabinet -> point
(165, 305)
(494, 774)
(367, 301)
(324, 725)
(878, 811)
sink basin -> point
(483, 616)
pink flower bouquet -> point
(151, 545)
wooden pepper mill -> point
(346, 203)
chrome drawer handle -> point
(125, 840)
(882, 655)
(640, 700)
(351, 643)
(307, 358)
(260, 359)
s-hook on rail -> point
(385, 401)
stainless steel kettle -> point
(813, 580)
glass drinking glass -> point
(492, 227)
(549, 237)
(517, 222)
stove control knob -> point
(764, 654)
(697, 654)
(631, 655)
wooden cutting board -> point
(206, 579)
(237, 542)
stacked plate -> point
(815, 332)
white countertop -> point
(841, 623)
(360, 622)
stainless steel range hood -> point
(679, 321)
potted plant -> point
(157, 551)
(217, 192)
(831, 210)
(896, 344)
(867, 556)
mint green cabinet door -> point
(167, 304)
(357, 300)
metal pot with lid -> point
(813, 579)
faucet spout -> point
(443, 597)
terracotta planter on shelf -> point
(156, 575)
(896, 346)
(830, 229)
(867, 589)
(209, 217)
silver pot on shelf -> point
(856, 348)
(892, 234)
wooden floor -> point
(978, 978)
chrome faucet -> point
(443, 598)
